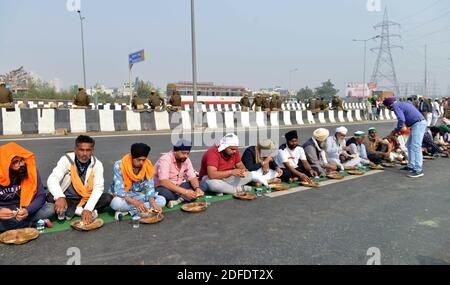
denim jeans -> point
(119, 204)
(414, 145)
(45, 212)
(170, 195)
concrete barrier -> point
(287, 118)
(77, 120)
(349, 116)
(321, 117)
(299, 117)
(260, 119)
(211, 120)
(394, 117)
(387, 114)
(245, 119)
(274, 119)
(46, 121)
(310, 117)
(133, 121)
(358, 115)
(11, 122)
(341, 116)
(106, 120)
(229, 120)
(161, 121)
(29, 121)
(331, 116)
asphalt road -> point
(406, 219)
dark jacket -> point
(314, 157)
(249, 160)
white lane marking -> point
(325, 183)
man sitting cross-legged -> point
(175, 177)
(133, 184)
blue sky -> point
(253, 43)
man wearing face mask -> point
(171, 170)
(76, 184)
(22, 195)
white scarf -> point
(323, 154)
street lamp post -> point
(82, 48)
(290, 79)
(365, 55)
(194, 67)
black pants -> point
(73, 201)
(287, 174)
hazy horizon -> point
(252, 43)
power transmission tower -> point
(384, 71)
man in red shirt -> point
(222, 170)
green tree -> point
(143, 89)
(305, 93)
(327, 90)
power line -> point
(420, 25)
(427, 35)
(422, 10)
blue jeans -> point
(46, 211)
(170, 195)
(119, 204)
(414, 145)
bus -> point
(207, 93)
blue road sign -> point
(136, 57)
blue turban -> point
(182, 145)
(389, 101)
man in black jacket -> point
(259, 160)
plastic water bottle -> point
(136, 220)
(207, 199)
(62, 215)
(259, 192)
(40, 226)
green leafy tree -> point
(143, 89)
(305, 93)
(327, 90)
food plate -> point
(194, 207)
(310, 183)
(376, 167)
(387, 164)
(19, 236)
(335, 175)
(427, 157)
(278, 187)
(244, 196)
(444, 155)
(355, 172)
(151, 218)
(80, 226)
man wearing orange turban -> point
(22, 195)
(133, 185)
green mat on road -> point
(108, 215)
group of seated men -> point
(76, 185)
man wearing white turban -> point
(222, 170)
(315, 150)
(337, 151)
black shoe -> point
(406, 168)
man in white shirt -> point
(435, 111)
(357, 147)
(337, 150)
(289, 156)
(76, 184)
